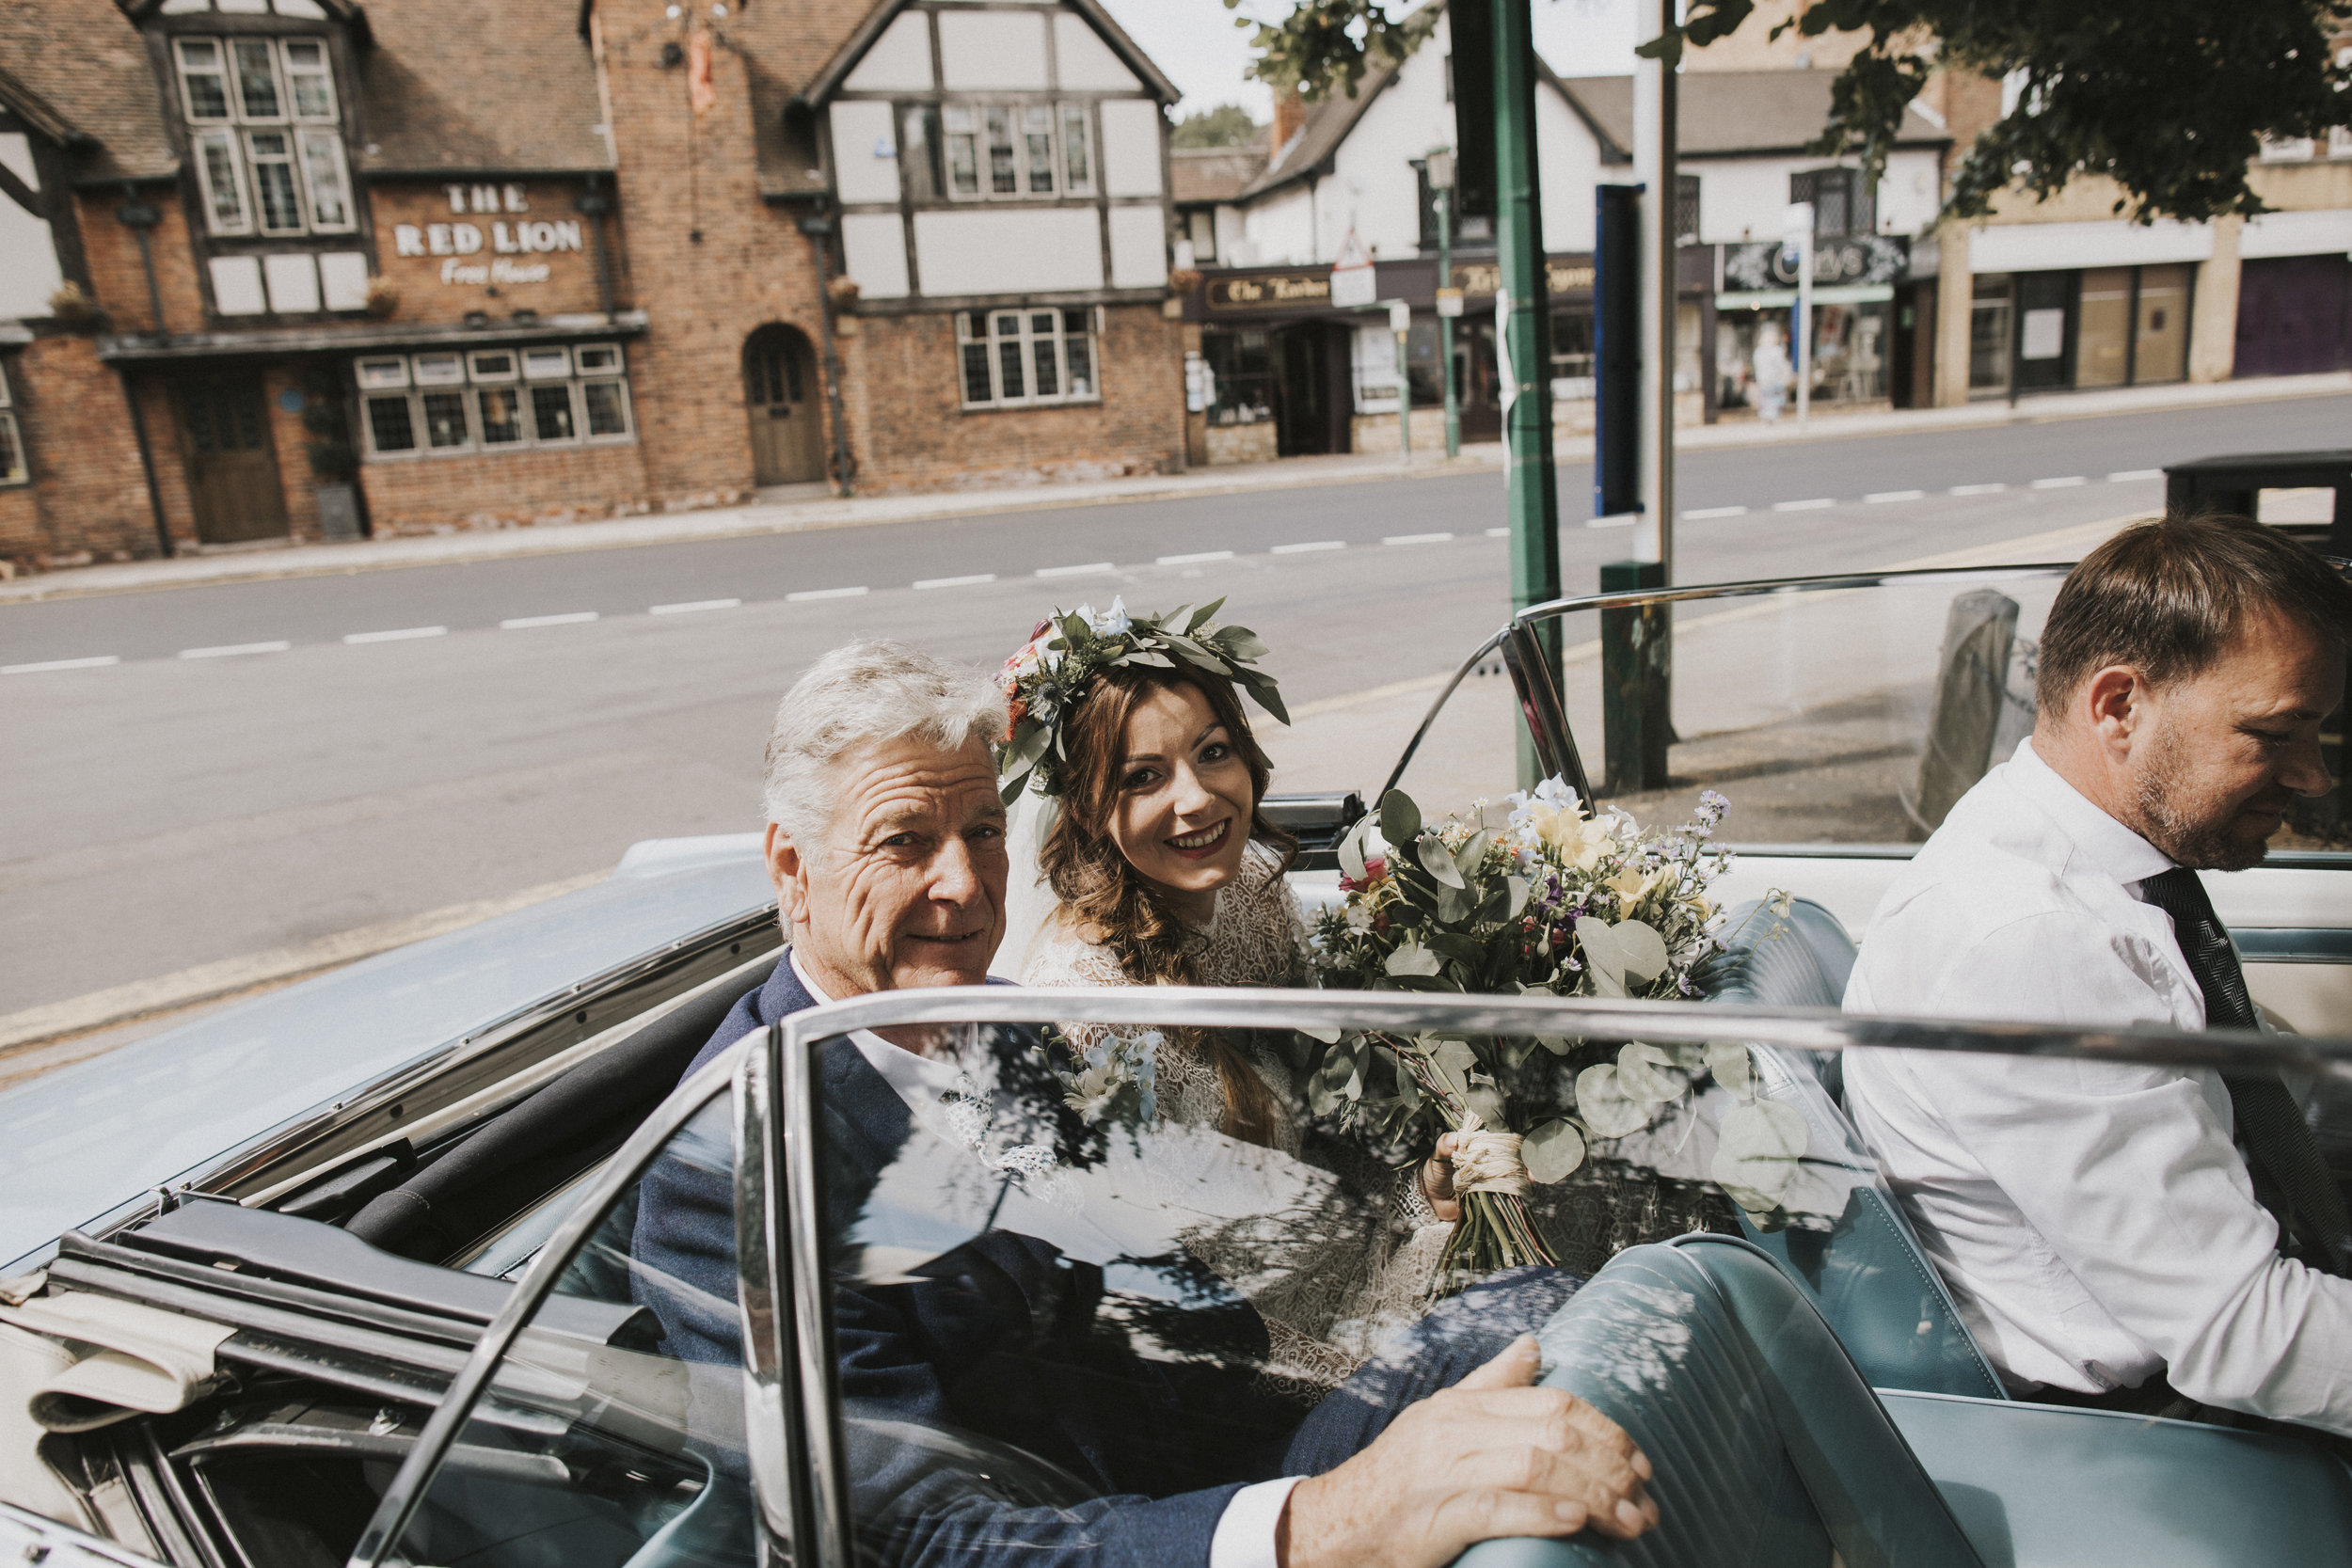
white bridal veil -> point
(1029, 904)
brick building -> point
(308, 268)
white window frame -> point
(21, 472)
(2290, 150)
(1062, 116)
(410, 379)
(1026, 340)
(324, 202)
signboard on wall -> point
(1860, 258)
(482, 236)
(1292, 290)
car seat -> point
(1855, 1258)
(1772, 1452)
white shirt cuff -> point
(1245, 1531)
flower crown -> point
(1044, 680)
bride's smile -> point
(1182, 788)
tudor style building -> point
(308, 268)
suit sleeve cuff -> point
(1245, 1531)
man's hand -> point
(1437, 1179)
(1492, 1456)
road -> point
(261, 765)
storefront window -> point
(1848, 362)
(493, 399)
(1988, 335)
(1020, 358)
(1241, 377)
(1572, 353)
(2102, 351)
(2160, 329)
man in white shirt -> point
(2104, 1226)
(885, 843)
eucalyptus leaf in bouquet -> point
(1553, 900)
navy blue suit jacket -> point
(990, 1421)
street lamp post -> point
(1449, 297)
(1401, 323)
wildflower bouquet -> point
(1556, 900)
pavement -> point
(800, 513)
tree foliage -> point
(1227, 125)
(1325, 46)
(2171, 99)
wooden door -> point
(780, 396)
(231, 466)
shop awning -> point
(139, 348)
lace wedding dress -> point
(1352, 1261)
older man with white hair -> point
(887, 845)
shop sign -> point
(457, 241)
(1448, 301)
(1288, 288)
(1863, 259)
(1354, 286)
(1560, 278)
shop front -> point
(1285, 372)
(1854, 342)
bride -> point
(1156, 864)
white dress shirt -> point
(2094, 1220)
(1246, 1530)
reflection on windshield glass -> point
(1054, 1299)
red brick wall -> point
(910, 432)
(508, 489)
(710, 261)
(88, 492)
(118, 275)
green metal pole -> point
(1445, 323)
(1523, 332)
(1403, 402)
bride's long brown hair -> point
(1124, 910)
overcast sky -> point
(1198, 44)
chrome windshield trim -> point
(1677, 1021)
(415, 1476)
(1554, 609)
(812, 1306)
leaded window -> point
(494, 400)
(1020, 358)
(1012, 151)
(263, 124)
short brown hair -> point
(2168, 595)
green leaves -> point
(1400, 819)
(1552, 1152)
(1614, 954)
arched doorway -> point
(780, 395)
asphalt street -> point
(263, 767)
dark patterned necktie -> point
(2277, 1138)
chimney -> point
(1290, 113)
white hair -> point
(867, 693)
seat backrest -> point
(1848, 1246)
(1770, 1449)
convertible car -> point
(395, 1266)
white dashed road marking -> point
(1417, 539)
(1310, 544)
(2066, 484)
(98, 661)
(1877, 497)
(2125, 476)
(1092, 568)
(1498, 533)
(1815, 504)
(974, 580)
(406, 634)
(1978, 489)
(807, 593)
(695, 606)
(235, 650)
(1703, 513)
(525, 623)
(1196, 557)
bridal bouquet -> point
(1559, 901)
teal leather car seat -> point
(1772, 1452)
(1855, 1258)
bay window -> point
(264, 128)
